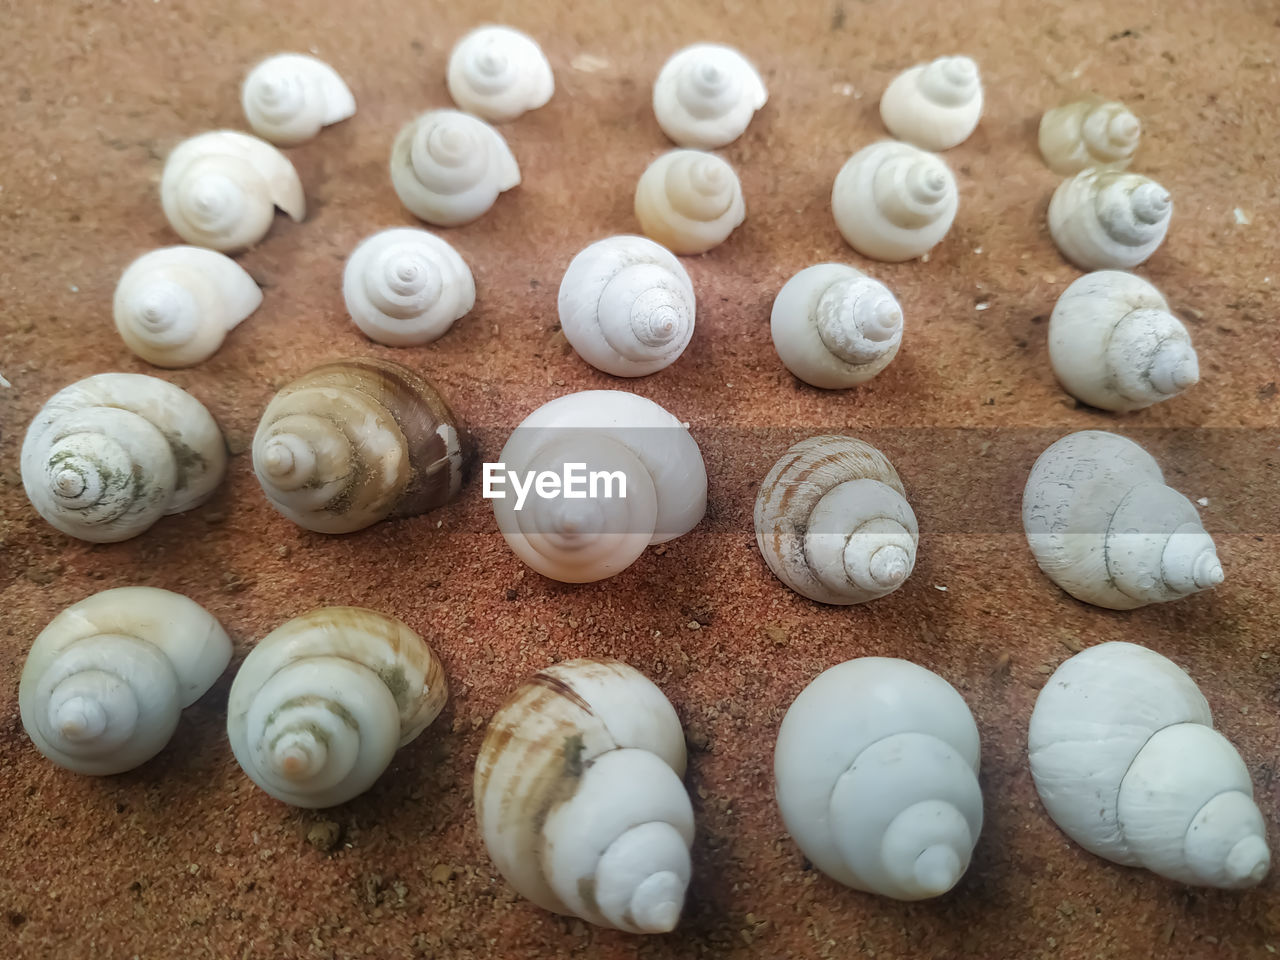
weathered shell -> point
(706, 95)
(934, 105)
(1109, 219)
(448, 167)
(689, 201)
(287, 98)
(499, 73)
(1089, 133)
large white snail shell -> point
(934, 105)
(1089, 133)
(448, 167)
(689, 201)
(706, 95)
(835, 327)
(578, 539)
(405, 286)
(321, 704)
(221, 189)
(1127, 762)
(1114, 344)
(499, 73)
(289, 97)
(893, 201)
(105, 681)
(174, 306)
(108, 456)
(1104, 527)
(1109, 219)
(627, 306)
(876, 772)
(833, 522)
(579, 796)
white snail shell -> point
(1127, 762)
(499, 73)
(833, 522)
(581, 539)
(108, 456)
(321, 704)
(1114, 344)
(627, 306)
(876, 772)
(174, 306)
(706, 94)
(934, 105)
(579, 796)
(289, 97)
(405, 286)
(353, 442)
(835, 327)
(689, 201)
(221, 189)
(1089, 133)
(1109, 219)
(893, 201)
(105, 681)
(448, 167)
(1104, 527)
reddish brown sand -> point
(185, 858)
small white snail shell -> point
(321, 704)
(689, 201)
(108, 456)
(934, 105)
(221, 189)
(627, 306)
(105, 681)
(1089, 133)
(1109, 219)
(1126, 761)
(876, 772)
(1114, 344)
(499, 73)
(353, 442)
(1104, 527)
(448, 167)
(405, 286)
(174, 306)
(706, 95)
(835, 327)
(579, 796)
(581, 539)
(833, 522)
(893, 201)
(289, 97)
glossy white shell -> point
(934, 105)
(499, 73)
(1109, 219)
(689, 201)
(706, 95)
(1088, 133)
(289, 97)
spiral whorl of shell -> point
(934, 105)
(689, 201)
(448, 167)
(1089, 133)
(287, 98)
(1109, 219)
(706, 95)
(499, 73)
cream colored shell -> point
(934, 105)
(287, 98)
(499, 73)
(706, 95)
(1108, 219)
(689, 201)
(1089, 133)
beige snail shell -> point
(706, 95)
(287, 98)
(499, 73)
(1109, 219)
(689, 201)
(1089, 133)
(934, 105)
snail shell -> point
(833, 522)
(581, 539)
(689, 201)
(893, 201)
(175, 306)
(499, 73)
(448, 167)
(105, 681)
(1114, 344)
(627, 306)
(1104, 527)
(1126, 761)
(934, 105)
(289, 97)
(1109, 219)
(706, 95)
(353, 442)
(876, 772)
(108, 456)
(321, 704)
(221, 189)
(405, 286)
(835, 327)
(579, 796)
(1089, 133)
